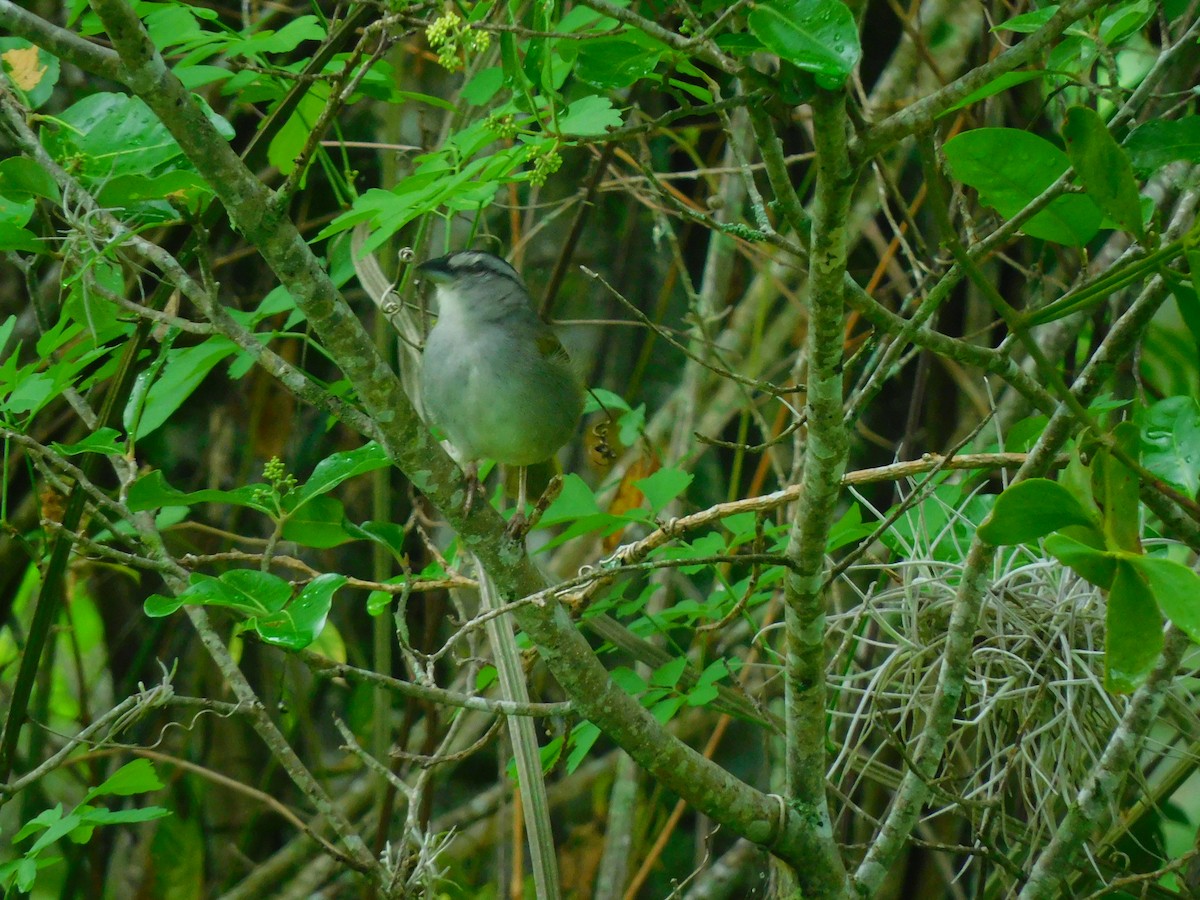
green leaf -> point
(484, 86)
(19, 239)
(1155, 144)
(1176, 588)
(105, 135)
(1103, 168)
(158, 606)
(1170, 433)
(663, 486)
(151, 491)
(668, 674)
(1010, 168)
(301, 622)
(102, 816)
(1094, 566)
(288, 142)
(1029, 22)
(180, 185)
(817, 36)
(589, 115)
(1115, 488)
(103, 441)
(47, 818)
(583, 737)
(387, 534)
(136, 777)
(1133, 630)
(1031, 509)
(997, 85)
(318, 523)
(338, 467)
(1125, 20)
(287, 38)
(54, 831)
(21, 178)
(618, 62)
(248, 591)
(185, 370)
(575, 501)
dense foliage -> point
(871, 569)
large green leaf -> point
(1133, 630)
(817, 36)
(1010, 168)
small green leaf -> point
(101, 816)
(19, 239)
(668, 674)
(21, 177)
(1115, 488)
(817, 36)
(1125, 20)
(302, 621)
(574, 501)
(1103, 168)
(1029, 22)
(1133, 630)
(589, 115)
(337, 467)
(583, 737)
(103, 440)
(136, 777)
(663, 486)
(1031, 509)
(997, 85)
(156, 606)
(287, 38)
(1089, 563)
(152, 491)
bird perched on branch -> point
(494, 377)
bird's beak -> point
(436, 269)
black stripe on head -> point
(467, 263)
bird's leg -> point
(516, 525)
(473, 486)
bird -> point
(494, 377)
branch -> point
(924, 112)
(825, 455)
